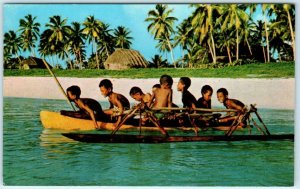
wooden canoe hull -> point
(54, 120)
(107, 138)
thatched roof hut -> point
(33, 62)
(124, 59)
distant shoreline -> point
(266, 93)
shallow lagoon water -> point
(36, 156)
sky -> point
(132, 16)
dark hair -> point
(166, 79)
(186, 81)
(106, 83)
(156, 86)
(75, 90)
(223, 90)
(135, 90)
(206, 88)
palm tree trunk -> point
(228, 52)
(95, 47)
(237, 44)
(292, 34)
(213, 48)
(171, 50)
(211, 52)
(172, 56)
(267, 40)
(264, 54)
(249, 47)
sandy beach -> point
(276, 93)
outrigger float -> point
(54, 120)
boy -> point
(137, 94)
(188, 100)
(118, 102)
(205, 100)
(163, 95)
(222, 95)
(88, 108)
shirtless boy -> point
(88, 108)
(222, 95)
(137, 94)
(118, 102)
(162, 96)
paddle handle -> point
(58, 83)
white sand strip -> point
(266, 93)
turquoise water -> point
(36, 156)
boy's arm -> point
(170, 99)
(120, 107)
(110, 110)
(235, 106)
(89, 110)
(151, 99)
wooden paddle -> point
(58, 83)
(125, 118)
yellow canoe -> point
(54, 120)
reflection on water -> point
(36, 156)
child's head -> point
(222, 95)
(206, 92)
(156, 86)
(106, 87)
(184, 83)
(136, 93)
(73, 92)
(166, 81)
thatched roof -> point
(33, 62)
(124, 59)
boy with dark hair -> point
(205, 100)
(137, 94)
(188, 100)
(222, 95)
(163, 95)
(88, 108)
(118, 102)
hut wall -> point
(116, 66)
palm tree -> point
(161, 25)
(226, 41)
(54, 38)
(106, 43)
(288, 8)
(158, 62)
(267, 9)
(92, 30)
(12, 44)
(122, 38)
(234, 15)
(29, 33)
(76, 42)
(260, 37)
(184, 36)
(203, 23)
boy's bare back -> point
(163, 98)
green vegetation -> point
(212, 33)
(262, 70)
